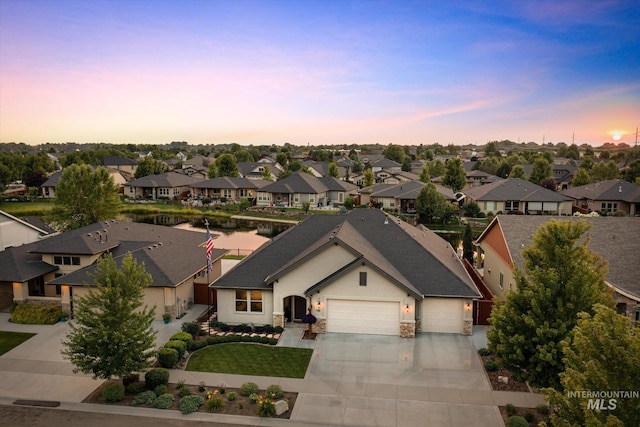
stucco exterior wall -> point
(493, 266)
(13, 233)
(152, 297)
(227, 309)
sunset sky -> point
(326, 72)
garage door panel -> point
(442, 315)
(363, 317)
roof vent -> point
(620, 189)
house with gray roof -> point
(123, 164)
(301, 187)
(399, 197)
(227, 188)
(363, 272)
(16, 231)
(54, 270)
(516, 195)
(255, 170)
(616, 240)
(606, 197)
(169, 185)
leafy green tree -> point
(602, 354)
(604, 171)
(266, 173)
(424, 174)
(455, 176)
(467, 243)
(633, 171)
(112, 334)
(436, 168)
(540, 170)
(395, 153)
(581, 177)
(84, 196)
(503, 170)
(406, 164)
(244, 156)
(349, 202)
(587, 163)
(305, 206)
(490, 165)
(226, 165)
(149, 166)
(472, 210)
(356, 168)
(491, 149)
(368, 178)
(517, 172)
(561, 278)
(333, 170)
(432, 207)
(573, 152)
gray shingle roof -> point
(514, 189)
(299, 182)
(615, 239)
(165, 180)
(613, 189)
(226, 182)
(414, 258)
(117, 160)
(18, 265)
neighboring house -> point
(54, 270)
(399, 197)
(387, 165)
(476, 178)
(300, 187)
(16, 231)
(396, 177)
(362, 272)
(193, 171)
(169, 185)
(48, 188)
(319, 169)
(230, 188)
(606, 197)
(123, 164)
(255, 170)
(515, 195)
(563, 175)
(616, 240)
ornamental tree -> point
(111, 335)
(84, 196)
(601, 355)
(561, 278)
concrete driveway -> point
(353, 380)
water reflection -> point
(237, 235)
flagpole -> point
(206, 223)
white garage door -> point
(363, 317)
(442, 315)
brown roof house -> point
(606, 197)
(617, 240)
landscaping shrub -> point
(164, 401)
(269, 329)
(273, 341)
(222, 389)
(113, 393)
(160, 390)
(155, 377)
(247, 329)
(196, 345)
(232, 396)
(253, 397)
(529, 416)
(484, 351)
(168, 357)
(274, 391)
(543, 409)
(191, 327)
(264, 340)
(256, 339)
(259, 329)
(238, 329)
(214, 404)
(247, 338)
(491, 365)
(517, 421)
(225, 328)
(202, 387)
(278, 329)
(189, 404)
(180, 346)
(131, 378)
(184, 391)
(144, 398)
(182, 336)
(36, 314)
(510, 409)
(214, 340)
(180, 385)
(247, 389)
(266, 407)
(135, 388)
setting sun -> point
(617, 137)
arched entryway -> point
(294, 308)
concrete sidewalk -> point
(434, 379)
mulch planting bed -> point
(512, 385)
(241, 406)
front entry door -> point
(299, 308)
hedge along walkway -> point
(251, 359)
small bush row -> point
(32, 314)
(197, 345)
(244, 328)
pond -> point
(239, 236)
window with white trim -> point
(248, 301)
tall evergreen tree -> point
(111, 335)
(561, 278)
(467, 244)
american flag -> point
(209, 249)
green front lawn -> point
(10, 340)
(251, 359)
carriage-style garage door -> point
(363, 317)
(442, 315)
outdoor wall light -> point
(318, 305)
(467, 306)
(406, 308)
